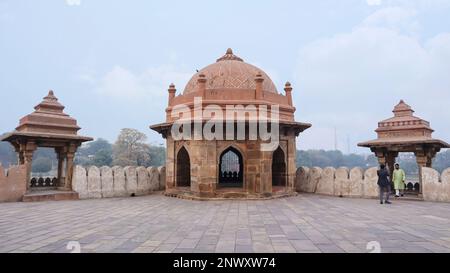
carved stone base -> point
(238, 194)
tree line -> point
(131, 149)
(336, 159)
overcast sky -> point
(110, 62)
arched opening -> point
(278, 170)
(231, 168)
(183, 169)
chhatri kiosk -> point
(48, 127)
(405, 132)
(230, 166)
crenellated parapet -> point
(12, 183)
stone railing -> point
(338, 182)
(13, 183)
(104, 182)
(41, 182)
(436, 186)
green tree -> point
(41, 165)
(371, 161)
(442, 161)
(336, 159)
(102, 158)
(7, 154)
(157, 156)
(91, 148)
(97, 153)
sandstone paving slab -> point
(155, 223)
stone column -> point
(291, 167)
(20, 157)
(264, 176)
(390, 161)
(170, 163)
(69, 166)
(27, 150)
(421, 160)
(424, 158)
(69, 170)
(61, 154)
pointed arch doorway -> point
(279, 175)
(183, 169)
(231, 168)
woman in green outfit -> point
(399, 178)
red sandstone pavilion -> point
(405, 133)
(221, 168)
(48, 126)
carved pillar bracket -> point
(381, 155)
(390, 161)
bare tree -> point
(130, 149)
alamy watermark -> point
(232, 122)
(74, 247)
(374, 247)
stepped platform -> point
(50, 195)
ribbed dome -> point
(230, 72)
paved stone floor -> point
(155, 223)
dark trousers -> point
(385, 190)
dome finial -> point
(50, 96)
(229, 56)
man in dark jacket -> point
(384, 184)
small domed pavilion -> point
(230, 165)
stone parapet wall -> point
(338, 182)
(12, 183)
(106, 182)
(363, 184)
(436, 186)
